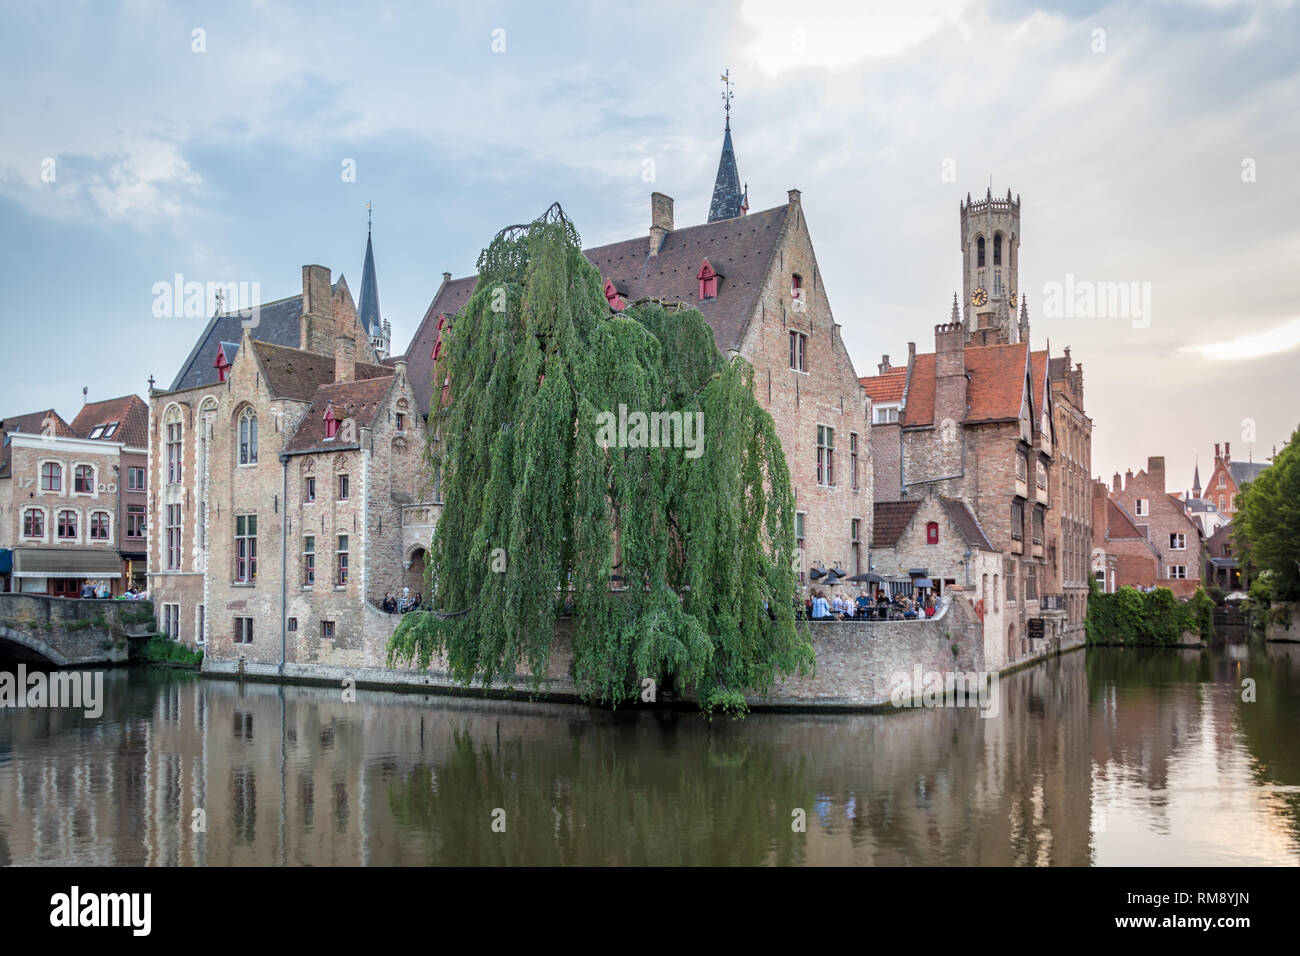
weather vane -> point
(727, 94)
(369, 208)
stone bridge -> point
(70, 632)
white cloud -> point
(1270, 342)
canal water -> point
(1105, 757)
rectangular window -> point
(33, 523)
(1031, 582)
(293, 624)
(855, 527)
(67, 524)
(245, 549)
(99, 523)
(1038, 525)
(135, 521)
(1017, 520)
(172, 621)
(173, 537)
(341, 562)
(1022, 468)
(853, 460)
(886, 416)
(51, 477)
(1178, 571)
(825, 455)
(401, 422)
(243, 630)
(343, 487)
(327, 630)
(798, 525)
(309, 489)
(1142, 507)
(83, 480)
(174, 454)
(135, 479)
(1177, 541)
(1042, 476)
(308, 561)
(799, 351)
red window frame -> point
(173, 537)
(66, 529)
(246, 549)
(100, 526)
(83, 480)
(33, 523)
(135, 521)
(932, 532)
(51, 476)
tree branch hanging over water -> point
(551, 473)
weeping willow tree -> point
(612, 467)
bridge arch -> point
(33, 644)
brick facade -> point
(1160, 518)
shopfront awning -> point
(66, 563)
(1223, 562)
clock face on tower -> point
(979, 297)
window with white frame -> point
(33, 523)
(886, 415)
(172, 426)
(100, 526)
(1177, 541)
(172, 621)
(83, 480)
(51, 476)
(67, 527)
(1178, 571)
(1142, 507)
(825, 455)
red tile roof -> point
(29, 424)
(888, 387)
(889, 520)
(740, 250)
(362, 401)
(129, 411)
(1118, 524)
(295, 373)
(997, 381)
(920, 392)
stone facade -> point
(1069, 520)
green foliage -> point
(706, 543)
(1216, 594)
(79, 625)
(1133, 617)
(1202, 608)
(161, 649)
(1266, 528)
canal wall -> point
(1283, 622)
(68, 632)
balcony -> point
(1051, 602)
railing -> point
(1051, 602)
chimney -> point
(345, 358)
(1216, 451)
(911, 353)
(793, 195)
(1128, 478)
(1115, 485)
(884, 364)
(661, 220)
(1227, 452)
(316, 328)
(399, 369)
(1156, 469)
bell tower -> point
(990, 249)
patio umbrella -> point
(816, 573)
(870, 577)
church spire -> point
(729, 201)
(368, 302)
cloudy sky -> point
(1154, 143)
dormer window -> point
(616, 301)
(222, 364)
(109, 429)
(708, 278)
(331, 423)
(932, 532)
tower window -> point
(997, 249)
(979, 251)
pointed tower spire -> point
(368, 302)
(1024, 318)
(728, 199)
(955, 316)
(1196, 479)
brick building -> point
(1069, 520)
(69, 495)
(755, 278)
(1160, 518)
(1121, 554)
(283, 461)
(1228, 478)
(887, 391)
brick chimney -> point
(1156, 469)
(1216, 451)
(1128, 478)
(316, 327)
(1227, 452)
(661, 220)
(884, 364)
(1115, 485)
(949, 373)
(345, 358)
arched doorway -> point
(413, 575)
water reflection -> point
(1119, 757)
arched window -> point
(67, 524)
(172, 432)
(979, 251)
(99, 525)
(52, 476)
(248, 437)
(33, 523)
(331, 423)
(997, 249)
(83, 480)
(932, 532)
(708, 278)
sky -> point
(1154, 144)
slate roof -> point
(739, 249)
(368, 302)
(967, 525)
(278, 323)
(295, 373)
(889, 520)
(727, 194)
(361, 401)
(888, 387)
(1244, 471)
(129, 411)
(1199, 504)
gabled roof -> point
(1119, 525)
(966, 524)
(129, 411)
(361, 401)
(739, 249)
(28, 424)
(1244, 471)
(997, 381)
(297, 374)
(889, 520)
(277, 323)
(886, 388)
(920, 392)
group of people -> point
(864, 607)
(102, 592)
(395, 605)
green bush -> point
(1141, 618)
(161, 649)
(1202, 608)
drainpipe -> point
(284, 554)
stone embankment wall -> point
(1284, 622)
(68, 632)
